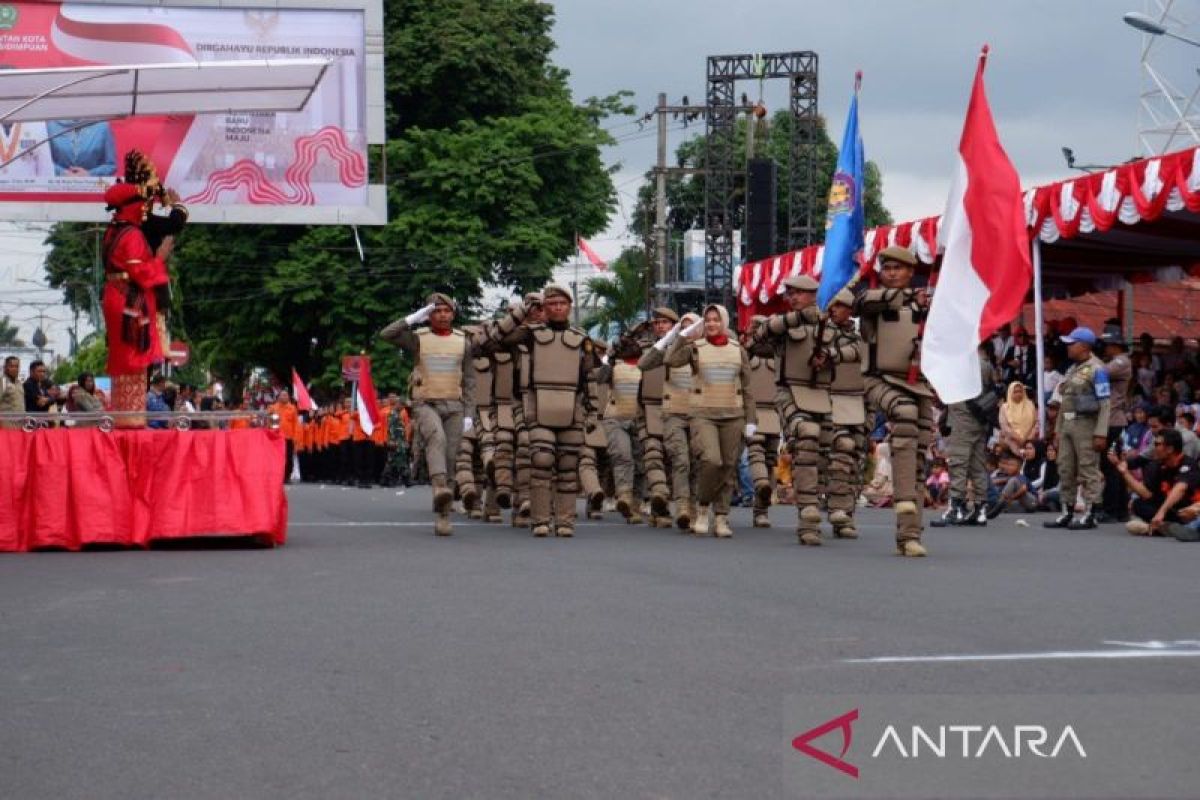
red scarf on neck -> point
(720, 340)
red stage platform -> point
(67, 488)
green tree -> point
(619, 299)
(91, 356)
(492, 167)
(8, 334)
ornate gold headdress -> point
(139, 171)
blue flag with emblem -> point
(844, 219)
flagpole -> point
(575, 283)
(1040, 338)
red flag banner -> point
(986, 268)
(368, 405)
(597, 262)
(300, 392)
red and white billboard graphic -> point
(309, 166)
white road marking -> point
(1181, 649)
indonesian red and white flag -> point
(368, 406)
(585, 248)
(986, 270)
(300, 392)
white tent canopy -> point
(111, 92)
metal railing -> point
(106, 421)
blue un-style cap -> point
(1085, 335)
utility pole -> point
(660, 200)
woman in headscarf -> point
(1018, 419)
(722, 409)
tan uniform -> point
(12, 399)
(442, 390)
(848, 445)
(477, 446)
(802, 398)
(650, 432)
(970, 426)
(763, 447)
(595, 473)
(1085, 412)
(721, 405)
(504, 384)
(676, 436)
(890, 321)
(619, 418)
(554, 411)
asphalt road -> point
(368, 658)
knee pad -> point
(541, 458)
(843, 442)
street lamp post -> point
(1145, 24)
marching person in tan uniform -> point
(1082, 431)
(847, 387)
(534, 313)
(595, 473)
(676, 406)
(502, 421)
(891, 320)
(476, 449)
(443, 391)
(619, 419)
(802, 338)
(559, 357)
(763, 447)
(651, 429)
(723, 414)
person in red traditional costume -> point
(131, 271)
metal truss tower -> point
(724, 161)
(1169, 101)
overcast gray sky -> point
(1061, 72)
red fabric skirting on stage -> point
(72, 487)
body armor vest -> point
(483, 380)
(623, 398)
(891, 335)
(439, 368)
(799, 344)
(762, 387)
(848, 375)
(677, 391)
(716, 377)
(555, 360)
(652, 385)
(503, 381)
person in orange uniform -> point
(289, 426)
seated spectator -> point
(41, 395)
(1051, 378)
(1137, 438)
(156, 400)
(1009, 490)
(1168, 480)
(1018, 419)
(878, 490)
(1046, 484)
(1164, 396)
(937, 485)
(82, 397)
(1052, 408)
(1185, 419)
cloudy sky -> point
(1061, 73)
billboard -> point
(305, 167)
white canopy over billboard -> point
(201, 87)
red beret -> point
(121, 194)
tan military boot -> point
(683, 515)
(564, 531)
(809, 538)
(441, 524)
(495, 516)
(660, 506)
(470, 501)
(595, 505)
(700, 524)
(541, 530)
(475, 513)
(721, 527)
(625, 504)
(847, 531)
(761, 520)
(443, 497)
(911, 548)
(521, 517)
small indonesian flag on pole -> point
(368, 407)
(986, 269)
(300, 392)
(597, 262)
